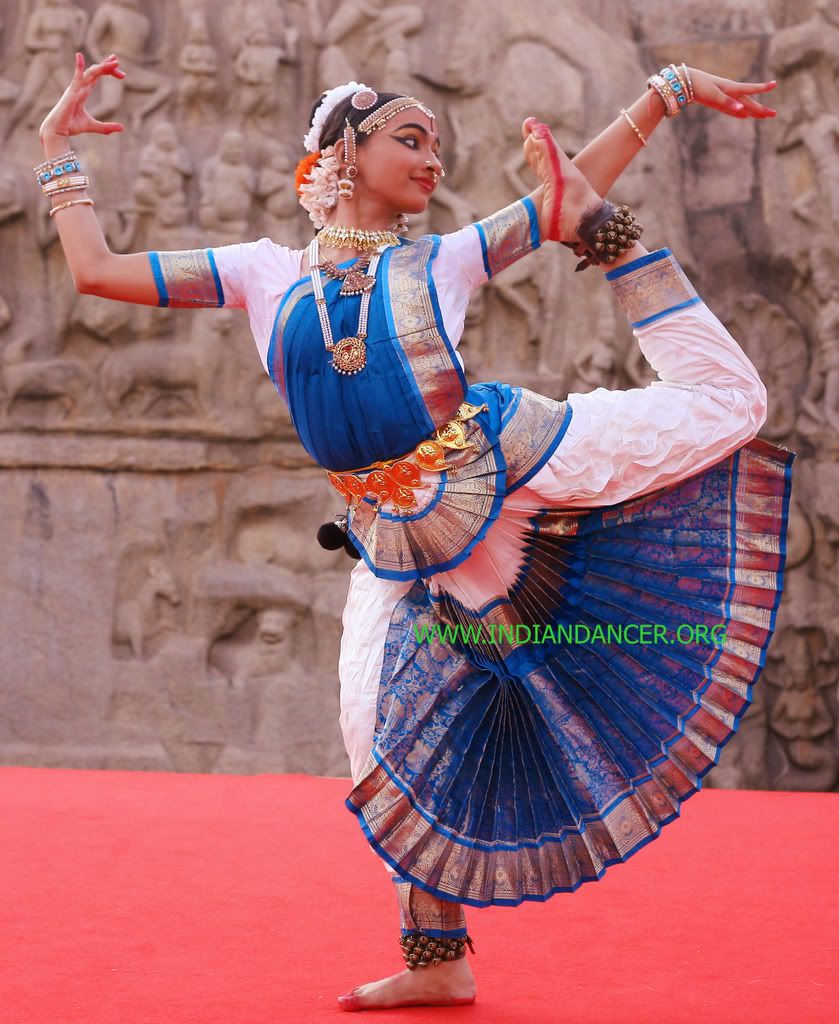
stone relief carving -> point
(228, 184)
(54, 31)
(120, 26)
(198, 66)
(137, 615)
(219, 596)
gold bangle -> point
(634, 127)
(684, 68)
(68, 188)
(72, 202)
(68, 179)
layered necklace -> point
(349, 355)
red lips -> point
(427, 183)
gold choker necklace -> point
(356, 238)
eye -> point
(409, 140)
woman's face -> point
(396, 164)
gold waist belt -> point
(396, 479)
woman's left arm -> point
(606, 157)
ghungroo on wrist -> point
(420, 950)
(606, 232)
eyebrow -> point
(413, 124)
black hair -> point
(333, 128)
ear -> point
(339, 150)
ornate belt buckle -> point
(396, 480)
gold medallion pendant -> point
(349, 355)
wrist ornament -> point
(674, 86)
(56, 167)
(87, 201)
(606, 232)
(62, 174)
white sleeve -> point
(248, 275)
(707, 402)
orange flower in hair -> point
(301, 175)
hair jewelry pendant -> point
(347, 185)
(364, 99)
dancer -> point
(491, 763)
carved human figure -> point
(395, 24)
(333, 63)
(54, 31)
(160, 185)
(776, 345)
(275, 186)
(227, 185)
(8, 90)
(818, 131)
(198, 65)
(800, 715)
(822, 398)
(120, 26)
(536, 304)
(255, 66)
(806, 43)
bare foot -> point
(446, 984)
(566, 193)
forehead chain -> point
(380, 117)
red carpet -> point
(154, 898)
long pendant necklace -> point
(349, 355)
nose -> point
(436, 167)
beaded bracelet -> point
(668, 96)
(634, 127)
(687, 79)
(674, 86)
(77, 180)
(71, 202)
(54, 160)
(674, 80)
(56, 167)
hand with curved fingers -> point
(69, 116)
(730, 97)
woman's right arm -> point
(95, 269)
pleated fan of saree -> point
(511, 765)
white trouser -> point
(367, 613)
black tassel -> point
(334, 535)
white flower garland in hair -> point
(330, 101)
(321, 195)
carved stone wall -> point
(165, 604)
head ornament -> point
(330, 101)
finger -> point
(78, 70)
(755, 109)
(106, 127)
(755, 86)
(728, 104)
(95, 71)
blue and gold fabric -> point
(504, 772)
